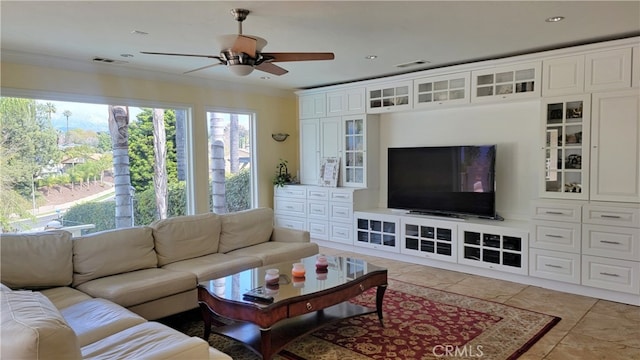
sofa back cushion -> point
(32, 328)
(186, 237)
(112, 252)
(36, 260)
(245, 228)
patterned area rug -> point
(419, 323)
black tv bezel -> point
(461, 213)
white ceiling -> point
(71, 33)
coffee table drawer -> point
(323, 301)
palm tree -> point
(160, 163)
(50, 108)
(67, 113)
(119, 130)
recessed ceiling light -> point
(555, 19)
(139, 32)
(371, 57)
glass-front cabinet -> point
(377, 231)
(505, 83)
(441, 90)
(389, 97)
(565, 149)
(354, 150)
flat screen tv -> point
(443, 180)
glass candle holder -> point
(272, 277)
(321, 262)
(298, 270)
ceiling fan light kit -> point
(242, 54)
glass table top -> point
(340, 270)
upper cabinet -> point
(563, 76)
(506, 83)
(346, 102)
(441, 90)
(389, 97)
(312, 106)
(607, 70)
(360, 163)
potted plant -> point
(282, 176)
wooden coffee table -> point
(299, 307)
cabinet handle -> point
(609, 274)
(554, 236)
(610, 216)
(553, 266)
(341, 233)
(554, 212)
(289, 207)
(309, 306)
(610, 242)
(361, 287)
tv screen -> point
(443, 180)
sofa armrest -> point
(281, 234)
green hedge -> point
(102, 214)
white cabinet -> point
(608, 70)
(428, 238)
(493, 247)
(312, 106)
(506, 83)
(360, 162)
(346, 102)
(563, 76)
(330, 138)
(389, 97)
(615, 153)
(565, 150)
(309, 151)
(443, 90)
(555, 243)
(377, 231)
(290, 207)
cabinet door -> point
(309, 151)
(312, 106)
(441, 90)
(565, 160)
(506, 83)
(355, 154)
(608, 70)
(563, 76)
(615, 153)
(330, 137)
(389, 97)
(346, 102)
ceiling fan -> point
(242, 53)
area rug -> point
(419, 323)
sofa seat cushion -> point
(150, 340)
(32, 328)
(273, 252)
(36, 260)
(112, 252)
(65, 296)
(186, 237)
(95, 319)
(140, 286)
(215, 265)
(245, 228)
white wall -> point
(513, 126)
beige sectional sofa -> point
(92, 296)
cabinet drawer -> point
(317, 194)
(344, 196)
(342, 233)
(543, 210)
(555, 265)
(609, 241)
(342, 212)
(293, 207)
(555, 235)
(318, 210)
(611, 274)
(299, 192)
(611, 215)
(290, 223)
(318, 229)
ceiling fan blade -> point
(245, 44)
(271, 68)
(202, 68)
(280, 57)
(174, 54)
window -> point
(230, 158)
(64, 165)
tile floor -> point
(590, 328)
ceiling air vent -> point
(412, 63)
(107, 61)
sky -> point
(84, 116)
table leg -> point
(379, 296)
(265, 343)
(206, 317)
